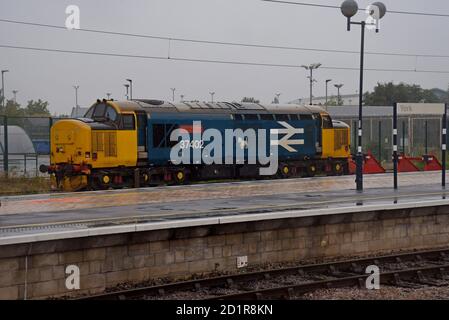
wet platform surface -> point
(37, 213)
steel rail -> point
(397, 278)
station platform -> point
(134, 236)
(67, 214)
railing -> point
(19, 162)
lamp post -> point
(338, 86)
(376, 10)
(311, 68)
(14, 92)
(76, 99)
(108, 95)
(313, 80)
(3, 88)
(130, 89)
(173, 94)
(182, 97)
(327, 81)
(5, 129)
(127, 91)
(212, 96)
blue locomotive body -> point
(161, 125)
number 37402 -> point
(194, 144)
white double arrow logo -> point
(289, 131)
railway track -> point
(411, 270)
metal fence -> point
(24, 144)
(417, 135)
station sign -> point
(421, 108)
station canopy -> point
(18, 141)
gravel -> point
(384, 293)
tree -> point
(334, 101)
(250, 99)
(387, 93)
(13, 108)
(37, 108)
(34, 108)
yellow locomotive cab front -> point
(89, 152)
(70, 155)
(71, 142)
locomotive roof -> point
(156, 106)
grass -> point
(18, 185)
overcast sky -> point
(51, 76)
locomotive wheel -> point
(337, 169)
(101, 182)
(105, 179)
(180, 176)
(311, 170)
(145, 178)
(285, 171)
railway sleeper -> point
(355, 268)
(398, 282)
(230, 283)
(423, 279)
(333, 271)
(290, 294)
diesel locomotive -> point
(129, 143)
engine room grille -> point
(340, 138)
(106, 142)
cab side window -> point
(128, 122)
(327, 122)
(89, 114)
(111, 114)
(99, 111)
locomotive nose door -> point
(142, 121)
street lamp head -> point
(4, 71)
(338, 86)
(349, 8)
(129, 80)
(328, 80)
(312, 66)
(382, 9)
